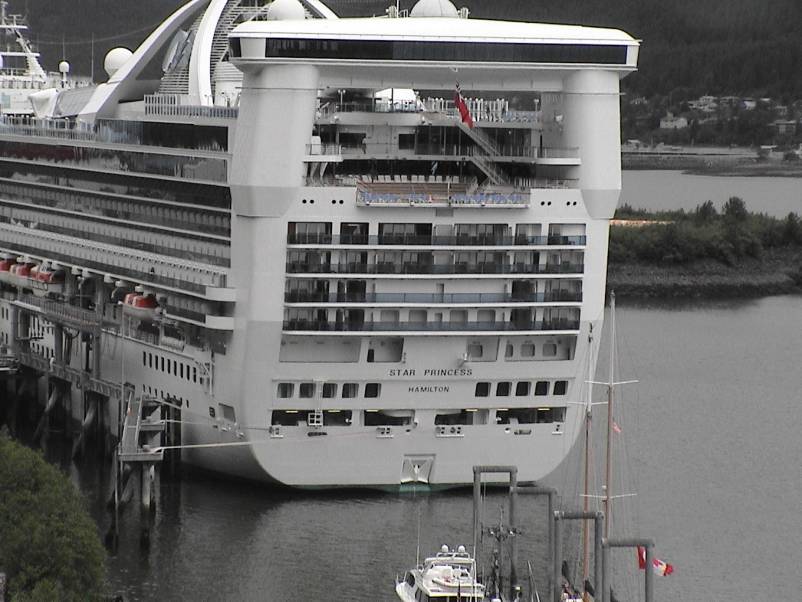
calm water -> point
(655, 190)
(713, 448)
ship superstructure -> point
(294, 237)
(21, 74)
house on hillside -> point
(784, 127)
(671, 122)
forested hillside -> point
(710, 46)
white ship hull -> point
(343, 290)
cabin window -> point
(508, 351)
(503, 389)
(475, 351)
(285, 390)
(522, 388)
(329, 390)
(560, 387)
(288, 417)
(551, 414)
(410, 579)
(527, 350)
(516, 416)
(388, 418)
(482, 390)
(542, 387)
(337, 418)
(306, 390)
(227, 411)
(454, 417)
(350, 390)
(549, 350)
(372, 389)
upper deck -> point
(415, 52)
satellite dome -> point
(285, 10)
(63, 67)
(116, 58)
(434, 8)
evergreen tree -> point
(49, 546)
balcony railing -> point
(326, 326)
(428, 240)
(431, 298)
(391, 268)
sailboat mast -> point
(586, 503)
(609, 462)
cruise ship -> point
(349, 252)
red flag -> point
(464, 113)
(659, 567)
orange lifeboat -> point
(47, 280)
(141, 305)
(6, 263)
(20, 273)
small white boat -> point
(448, 576)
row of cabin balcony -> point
(313, 296)
(428, 262)
(129, 264)
(411, 268)
(191, 220)
(206, 138)
(434, 234)
(132, 236)
(211, 169)
(422, 320)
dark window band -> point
(381, 50)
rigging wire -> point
(90, 40)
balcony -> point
(392, 268)
(412, 327)
(432, 298)
(421, 240)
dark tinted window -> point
(379, 50)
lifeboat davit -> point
(141, 305)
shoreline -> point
(712, 164)
(706, 280)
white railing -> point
(48, 128)
(179, 105)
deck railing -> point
(394, 268)
(432, 298)
(326, 326)
(490, 240)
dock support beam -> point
(648, 544)
(512, 471)
(598, 574)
